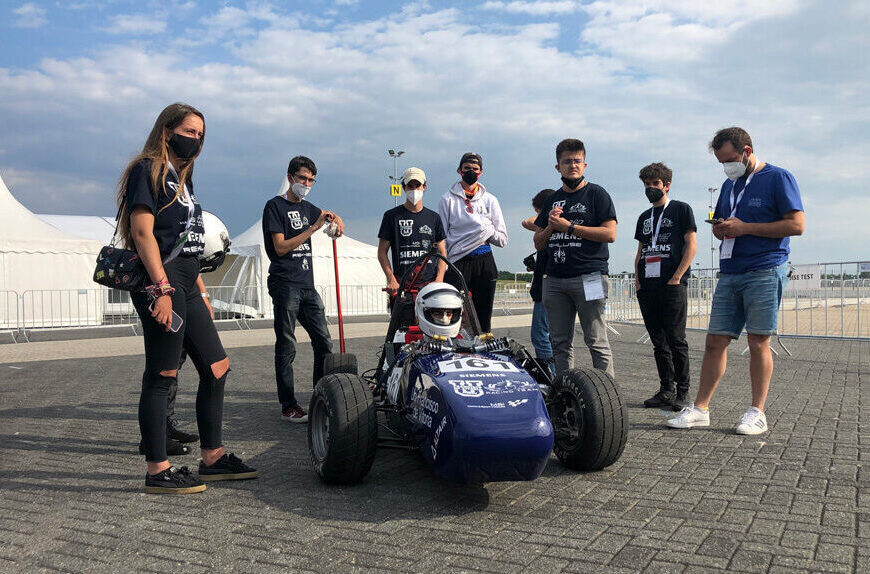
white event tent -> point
(360, 274)
(45, 273)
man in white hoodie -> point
(473, 222)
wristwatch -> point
(571, 229)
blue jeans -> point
(748, 299)
(540, 334)
(291, 303)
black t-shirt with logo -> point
(410, 236)
(291, 219)
(670, 244)
(570, 256)
(170, 214)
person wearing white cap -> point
(409, 231)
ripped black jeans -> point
(199, 338)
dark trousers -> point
(664, 315)
(292, 303)
(199, 338)
(480, 275)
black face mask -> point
(653, 194)
(184, 147)
(469, 177)
(572, 183)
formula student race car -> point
(478, 408)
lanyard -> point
(735, 203)
(658, 228)
(191, 210)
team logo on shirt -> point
(667, 222)
(305, 266)
(577, 208)
(560, 203)
(426, 230)
(559, 256)
(425, 243)
(406, 227)
(295, 219)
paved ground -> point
(795, 500)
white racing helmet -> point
(439, 310)
(217, 242)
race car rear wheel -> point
(340, 363)
(589, 419)
(342, 428)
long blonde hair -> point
(156, 150)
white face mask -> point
(734, 169)
(300, 190)
(414, 195)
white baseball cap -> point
(414, 173)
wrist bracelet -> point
(204, 294)
(571, 229)
(159, 289)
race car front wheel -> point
(342, 428)
(589, 419)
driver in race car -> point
(439, 310)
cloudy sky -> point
(81, 83)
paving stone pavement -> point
(794, 500)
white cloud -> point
(30, 16)
(650, 83)
(58, 193)
(136, 24)
(533, 8)
(672, 31)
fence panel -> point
(9, 318)
(825, 300)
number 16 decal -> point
(476, 364)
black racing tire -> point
(342, 428)
(340, 363)
(589, 418)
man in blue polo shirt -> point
(759, 208)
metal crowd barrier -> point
(823, 300)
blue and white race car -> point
(477, 407)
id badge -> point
(653, 267)
(727, 248)
(593, 287)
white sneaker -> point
(690, 417)
(753, 421)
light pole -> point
(395, 177)
(712, 190)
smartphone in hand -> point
(714, 221)
(176, 319)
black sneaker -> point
(227, 467)
(173, 480)
(173, 448)
(663, 399)
(681, 401)
(173, 432)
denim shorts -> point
(748, 300)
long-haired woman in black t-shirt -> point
(162, 220)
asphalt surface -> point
(793, 500)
